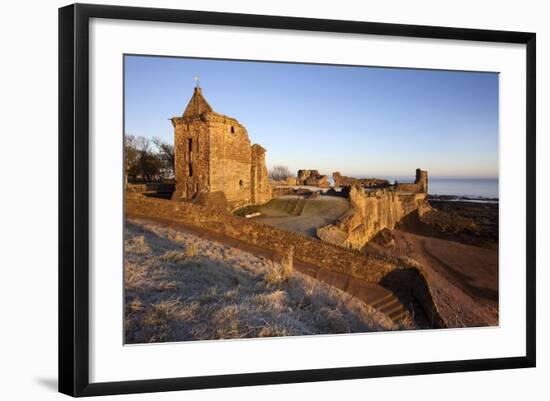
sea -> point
(473, 188)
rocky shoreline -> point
(485, 215)
(457, 198)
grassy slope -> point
(317, 212)
(180, 287)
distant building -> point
(313, 178)
(213, 153)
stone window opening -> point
(190, 144)
(232, 129)
(190, 169)
(241, 184)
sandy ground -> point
(462, 266)
(182, 287)
(463, 278)
(473, 269)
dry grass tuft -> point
(137, 245)
(283, 271)
(191, 251)
(174, 256)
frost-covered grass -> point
(181, 287)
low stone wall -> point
(374, 210)
(341, 180)
(150, 187)
(372, 269)
(407, 187)
(282, 191)
(420, 183)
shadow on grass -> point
(219, 291)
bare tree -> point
(279, 173)
(130, 158)
(149, 162)
(166, 153)
(141, 162)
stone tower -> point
(422, 180)
(213, 153)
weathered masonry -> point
(376, 209)
(213, 153)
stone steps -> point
(289, 206)
(299, 208)
(380, 299)
(374, 295)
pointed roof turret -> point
(197, 104)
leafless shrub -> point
(279, 173)
(147, 160)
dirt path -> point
(472, 269)
(373, 295)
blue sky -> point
(362, 121)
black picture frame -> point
(74, 201)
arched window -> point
(232, 129)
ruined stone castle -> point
(313, 178)
(372, 210)
(341, 180)
(213, 154)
